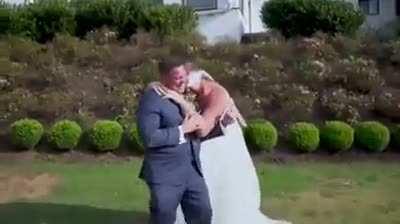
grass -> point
(363, 193)
(304, 193)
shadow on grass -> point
(45, 213)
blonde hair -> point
(195, 77)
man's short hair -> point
(167, 64)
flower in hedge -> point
(26, 133)
(261, 135)
(134, 138)
(337, 135)
(106, 135)
(65, 134)
(304, 136)
(396, 135)
(372, 135)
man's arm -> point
(152, 134)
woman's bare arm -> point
(216, 105)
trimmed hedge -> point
(106, 135)
(26, 133)
(337, 136)
(134, 138)
(372, 135)
(169, 19)
(306, 17)
(65, 135)
(304, 136)
(261, 135)
(122, 16)
(5, 20)
(41, 20)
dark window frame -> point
(214, 7)
(368, 11)
(397, 7)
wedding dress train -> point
(232, 180)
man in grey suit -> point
(171, 166)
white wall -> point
(224, 23)
(172, 1)
(222, 26)
(387, 15)
(255, 24)
(15, 1)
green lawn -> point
(309, 193)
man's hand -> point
(191, 123)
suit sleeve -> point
(153, 135)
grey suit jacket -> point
(165, 160)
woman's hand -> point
(233, 113)
(172, 95)
(188, 107)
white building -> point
(230, 19)
(380, 13)
(221, 20)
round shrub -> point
(106, 135)
(304, 136)
(261, 135)
(306, 17)
(337, 136)
(65, 135)
(26, 133)
(134, 138)
(372, 135)
(396, 135)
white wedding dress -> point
(231, 180)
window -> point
(369, 7)
(201, 4)
(398, 7)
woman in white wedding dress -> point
(226, 163)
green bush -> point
(134, 138)
(42, 19)
(372, 135)
(22, 22)
(106, 135)
(306, 17)
(91, 15)
(5, 20)
(129, 21)
(261, 135)
(396, 135)
(304, 136)
(127, 16)
(337, 136)
(26, 133)
(169, 19)
(65, 134)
